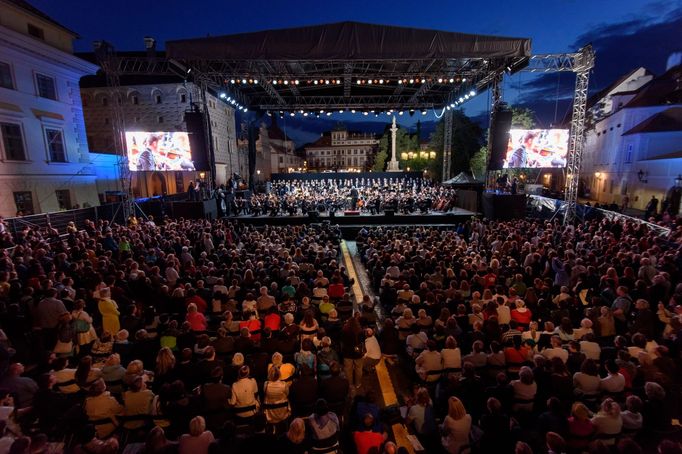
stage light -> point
(234, 101)
(231, 81)
(464, 79)
(255, 81)
(245, 109)
(400, 82)
(321, 81)
(452, 80)
(329, 113)
(326, 82)
(338, 81)
(400, 113)
(292, 114)
(352, 111)
(274, 82)
(229, 99)
(447, 107)
(440, 80)
(301, 110)
(381, 81)
(461, 99)
(305, 114)
(358, 82)
(286, 82)
(411, 81)
(243, 81)
(250, 81)
(321, 111)
(452, 105)
(365, 113)
(424, 112)
(222, 95)
(315, 82)
(340, 111)
(466, 96)
(296, 82)
(369, 82)
(472, 93)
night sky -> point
(626, 34)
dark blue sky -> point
(625, 33)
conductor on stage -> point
(353, 198)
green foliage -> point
(523, 118)
(479, 163)
(380, 161)
(467, 137)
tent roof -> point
(463, 178)
(348, 41)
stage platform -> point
(433, 218)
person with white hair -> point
(585, 328)
(109, 311)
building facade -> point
(159, 104)
(342, 150)
(633, 146)
(45, 164)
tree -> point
(404, 143)
(479, 163)
(380, 161)
(467, 138)
(523, 118)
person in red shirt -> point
(195, 318)
(490, 279)
(272, 320)
(336, 290)
(193, 298)
(366, 439)
(253, 325)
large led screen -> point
(536, 148)
(163, 151)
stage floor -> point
(435, 218)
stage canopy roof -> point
(348, 65)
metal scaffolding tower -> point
(447, 145)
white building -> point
(152, 103)
(275, 152)
(342, 150)
(45, 164)
(634, 144)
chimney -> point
(674, 59)
(150, 46)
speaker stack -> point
(499, 136)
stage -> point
(432, 218)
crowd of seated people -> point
(183, 336)
(532, 337)
(402, 195)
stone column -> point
(393, 163)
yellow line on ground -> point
(388, 392)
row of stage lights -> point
(404, 81)
(460, 100)
(233, 102)
(328, 113)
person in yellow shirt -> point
(109, 311)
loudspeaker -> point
(194, 121)
(499, 137)
(389, 213)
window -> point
(55, 145)
(36, 32)
(105, 101)
(183, 98)
(628, 154)
(63, 199)
(13, 142)
(160, 119)
(106, 121)
(179, 182)
(157, 98)
(135, 100)
(46, 87)
(6, 76)
(24, 202)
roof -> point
(324, 141)
(464, 178)
(348, 40)
(598, 96)
(665, 121)
(665, 89)
(26, 6)
(275, 132)
(673, 155)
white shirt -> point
(452, 358)
(613, 383)
(592, 350)
(372, 348)
(555, 352)
(503, 315)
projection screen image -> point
(158, 151)
(536, 148)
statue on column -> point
(393, 163)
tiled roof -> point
(668, 120)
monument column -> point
(393, 163)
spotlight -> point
(472, 93)
(301, 110)
(296, 82)
(231, 81)
(411, 81)
(452, 80)
(222, 95)
(326, 82)
(274, 82)
(464, 79)
(250, 81)
(340, 111)
(292, 114)
(381, 81)
(461, 99)
(424, 112)
(447, 107)
(321, 111)
(229, 99)
(329, 113)
(352, 111)
(369, 82)
(338, 81)
(440, 80)
(365, 113)
(400, 113)
(400, 81)
(305, 114)
(245, 109)
(315, 82)
(255, 81)
(359, 82)
(466, 96)
(243, 81)
(286, 82)
(452, 105)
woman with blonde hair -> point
(113, 373)
(404, 323)
(580, 427)
(198, 440)
(608, 421)
(276, 401)
(101, 409)
(164, 372)
(456, 427)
